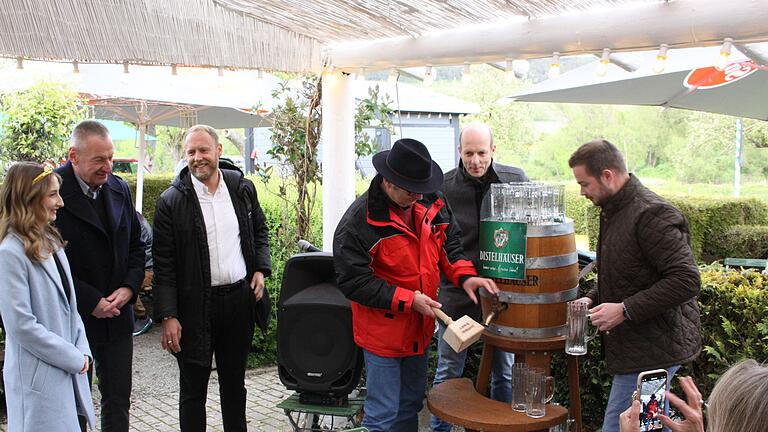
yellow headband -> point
(47, 170)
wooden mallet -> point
(459, 334)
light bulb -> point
(392, 77)
(466, 77)
(554, 66)
(19, 63)
(602, 67)
(661, 59)
(126, 75)
(75, 67)
(428, 77)
(509, 71)
(725, 54)
(521, 67)
(361, 74)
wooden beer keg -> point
(535, 308)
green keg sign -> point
(502, 249)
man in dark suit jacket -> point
(106, 255)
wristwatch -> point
(626, 314)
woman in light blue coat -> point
(46, 352)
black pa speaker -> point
(316, 353)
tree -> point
(38, 122)
(297, 124)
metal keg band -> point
(551, 230)
(528, 333)
(539, 298)
(554, 261)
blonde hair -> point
(22, 211)
(739, 401)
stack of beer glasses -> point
(530, 202)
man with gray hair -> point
(208, 293)
(106, 255)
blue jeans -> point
(621, 398)
(396, 388)
(450, 364)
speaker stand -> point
(294, 409)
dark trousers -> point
(231, 335)
(113, 364)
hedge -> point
(742, 241)
(707, 218)
(734, 326)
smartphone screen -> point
(653, 390)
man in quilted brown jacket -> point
(645, 300)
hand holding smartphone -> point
(652, 393)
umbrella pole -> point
(737, 162)
(142, 160)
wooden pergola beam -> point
(681, 23)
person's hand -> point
(628, 420)
(586, 300)
(691, 410)
(171, 337)
(472, 284)
(257, 284)
(104, 309)
(606, 316)
(120, 297)
(423, 304)
(85, 366)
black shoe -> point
(141, 326)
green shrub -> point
(707, 218)
(742, 241)
(734, 320)
(734, 326)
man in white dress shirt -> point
(211, 255)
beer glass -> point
(539, 389)
(578, 334)
(518, 386)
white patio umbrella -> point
(689, 81)
(151, 95)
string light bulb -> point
(725, 54)
(428, 76)
(260, 74)
(466, 77)
(174, 70)
(361, 74)
(19, 63)
(75, 67)
(521, 66)
(124, 79)
(392, 77)
(661, 59)
(605, 59)
(220, 71)
(509, 70)
(554, 66)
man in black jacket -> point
(645, 299)
(106, 255)
(464, 188)
(207, 291)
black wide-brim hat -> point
(409, 166)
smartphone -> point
(652, 394)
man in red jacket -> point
(389, 249)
